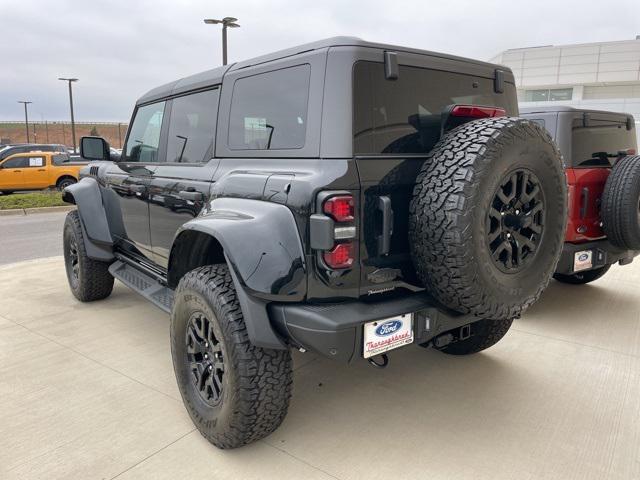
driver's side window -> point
(144, 137)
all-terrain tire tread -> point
(264, 376)
(441, 210)
(95, 283)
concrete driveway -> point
(87, 391)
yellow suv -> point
(37, 170)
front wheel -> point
(89, 279)
(581, 278)
(235, 393)
(483, 334)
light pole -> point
(26, 116)
(73, 123)
(226, 22)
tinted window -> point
(144, 137)
(404, 115)
(60, 159)
(269, 111)
(600, 143)
(192, 127)
(19, 162)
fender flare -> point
(87, 197)
(262, 247)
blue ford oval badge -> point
(583, 257)
(387, 328)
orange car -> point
(37, 170)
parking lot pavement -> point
(87, 391)
(25, 237)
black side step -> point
(145, 285)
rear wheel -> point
(89, 279)
(236, 393)
(488, 216)
(64, 182)
(581, 278)
(484, 334)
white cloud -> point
(121, 48)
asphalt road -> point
(27, 237)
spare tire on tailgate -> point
(621, 204)
(488, 217)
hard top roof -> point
(214, 76)
(564, 108)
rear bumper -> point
(336, 330)
(602, 253)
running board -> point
(145, 285)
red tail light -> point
(475, 111)
(340, 257)
(340, 208)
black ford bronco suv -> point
(341, 197)
(603, 175)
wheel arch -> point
(85, 194)
(65, 175)
(260, 243)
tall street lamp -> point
(26, 116)
(73, 123)
(226, 22)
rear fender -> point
(263, 249)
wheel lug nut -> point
(517, 212)
(210, 367)
(502, 214)
(508, 235)
(206, 356)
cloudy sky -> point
(121, 48)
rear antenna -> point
(391, 70)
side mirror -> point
(94, 148)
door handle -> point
(41, 170)
(17, 171)
(191, 195)
(137, 188)
(384, 240)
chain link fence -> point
(60, 132)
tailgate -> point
(387, 187)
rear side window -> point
(144, 137)
(269, 110)
(600, 143)
(60, 159)
(192, 127)
(404, 115)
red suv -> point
(603, 175)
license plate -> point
(582, 260)
(386, 334)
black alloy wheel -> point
(515, 221)
(73, 262)
(206, 362)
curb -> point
(31, 211)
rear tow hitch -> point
(383, 364)
(445, 339)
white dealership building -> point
(602, 76)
